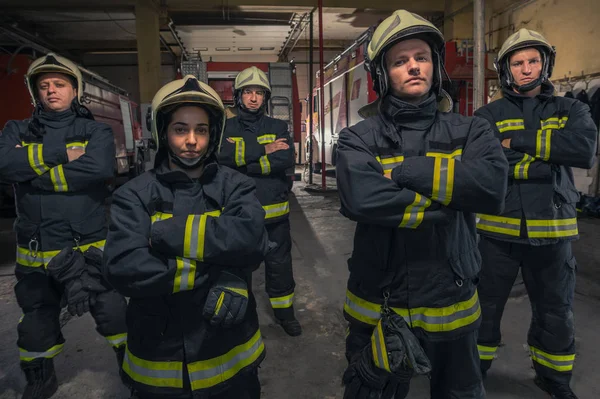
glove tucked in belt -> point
(227, 301)
(80, 277)
(384, 368)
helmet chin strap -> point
(527, 87)
(188, 163)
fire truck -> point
(107, 102)
(348, 87)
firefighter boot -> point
(555, 389)
(41, 379)
(288, 321)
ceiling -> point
(245, 32)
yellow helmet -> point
(182, 91)
(524, 38)
(402, 25)
(53, 63)
(252, 77)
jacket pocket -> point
(147, 320)
(26, 231)
(466, 265)
(564, 188)
(93, 223)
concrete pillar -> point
(147, 28)
(458, 20)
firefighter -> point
(260, 147)
(58, 162)
(183, 241)
(542, 136)
(413, 176)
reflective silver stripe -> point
(194, 237)
(276, 210)
(159, 376)
(556, 362)
(282, 302)
(552, 228)
(185, 275)
(117, 340)
(486, 352)
(58, 179)
(36, 159)
(266, 138)
(543, 144)
(500, 225)
(50, 353)
(448, 318)
(240, 151)
(510, 124)
(522, 167)
(414, 213)
(230, 364)
(265, 165)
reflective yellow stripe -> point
(542, 144)
(156, 374)
(266, 138)
(552, 228)
(219, 302)
(510, 124)
(239, 291)
(36, 158)
(499, 224)
(456, 154)
(522, 167)
(388, 163)
(443, 180)
(415, 212)
(208, 373)
(276, 210)
(380, 352)
(282, 302)
(444, 319)
(57, 175)
(265, 165)
(240, 151)
(193, 243)
(554, 123)
(25, 257)
(74, 144)
(555, 362)
(487, 352)
(158, 216)
(117, 339)
(27, 356)
(185, 276)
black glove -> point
(363, 380)
(405, 356)
(93, 278)
(67, 268)
(227, 301)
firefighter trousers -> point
(549, 275)
(39, 333)
(455, 372)
(279, 276)
(247, 386)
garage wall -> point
(572, 26)
(122, 70)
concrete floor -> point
(310, 366)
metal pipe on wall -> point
(322, 99)
(310, 99)
(479, 54)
